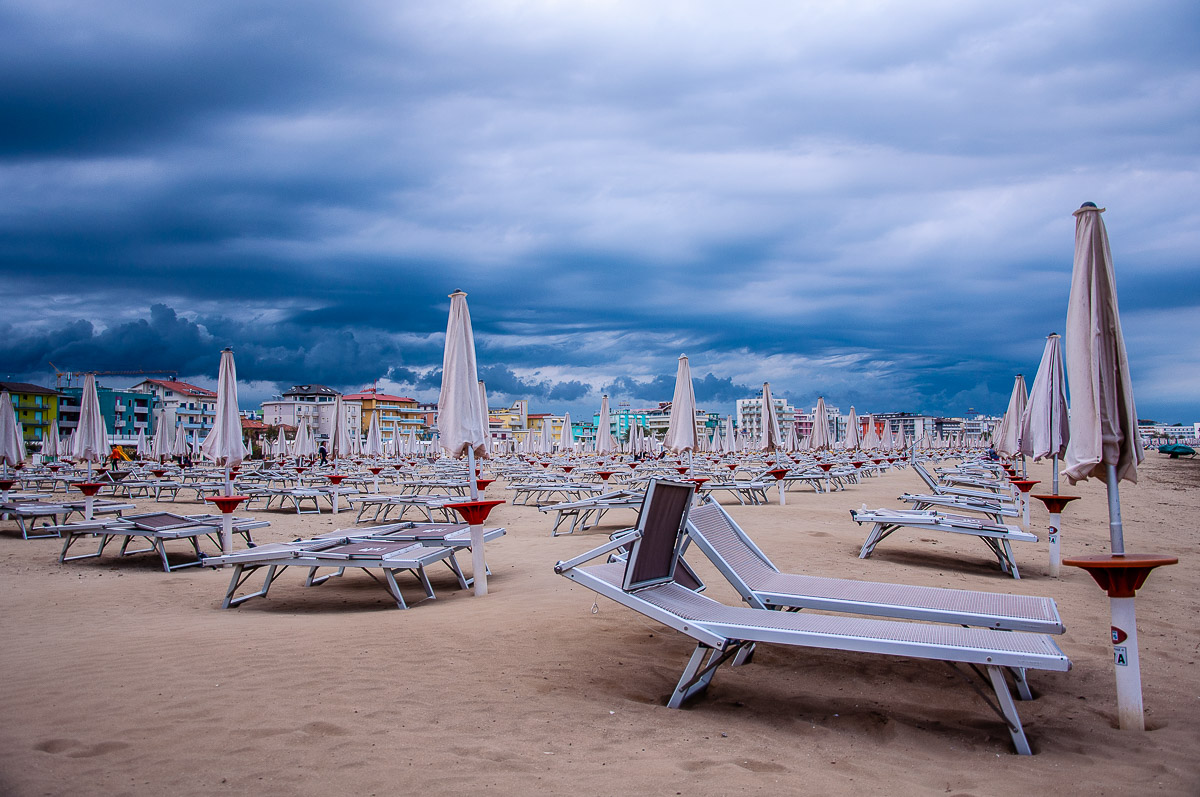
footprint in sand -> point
(78, 749)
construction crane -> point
(69, 375)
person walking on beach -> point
(323, 454)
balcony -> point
(121, 407)
(139, 409)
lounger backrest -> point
(656, 551)
(734, 554)
(924, 474)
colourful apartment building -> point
(36, 407)
(195, 407)
(397, 415)
(125, 412)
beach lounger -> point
(762, 586)
(996, 510)
(455, 536)
(646, 584)
(996, 536)
(998, 490)
(389, 557)
(35, 518)
(588, 512)
(157, 528)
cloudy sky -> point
(869, 201)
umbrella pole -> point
(227, 519)
(1115, 530)
(478, 562)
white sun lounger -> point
(389, 557)
(996, 510)
(762, 586)
(645, 583)
(157, 528)
(996, 536)
(588, 512)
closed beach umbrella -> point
(871, 441)
(90, 443)
(731, 446)
(604, 439)
(1008, 436)
(853, 440)
(772, 438)
(460, 418)
(1103, 429)
(546, 440)
(50, 443)
(162, 445)
(820, 440)
(12, 447)
(339, 436)
(564, 435)
(374, 444)
(143, 445)
(304, 446)
(681, 431)
(223, 444)
(1045, 426)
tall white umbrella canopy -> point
(143, 445)
(681, 431)
(180, 445)
(872, 441)
(1104, 437)
(546, 439)
(460, 418)
(853, 441)
(50, 443)
(339, 435)
(604, 439)
(565, 438)
(90, 443)
(1045, 426)
(303, 445)
(374, 444)
(223, 444)
(12, 447)
(1008, 437)
(772, 438)
(820, 440)
(163, 444)
(730, 436)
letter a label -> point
(1121, 656)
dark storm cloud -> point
(869, 202)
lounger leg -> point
(1009, 707)
(877, 533)
(452, 563)
(393, 587)
(238, 579)
(689, 684)
(1018, 676)
(313, 581)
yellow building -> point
(397, 415)
(36, 407)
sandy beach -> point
(120, 679)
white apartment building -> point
(310, 406)
(195, 407)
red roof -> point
(183, 388)
(253, 425)
(368, 394)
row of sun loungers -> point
(157, 529)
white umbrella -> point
(374, 444)
(564, 435)
(730, 436)
(460, 418)
(12, 448)
(50, 443)
(1045, 430)
(339, 436)
(303, 446)
(223, 444)
(820, 441)
(853, 441)
(162, 446)
(1008, 437)
(91, 436)
(180, 445)
(604, 439)
(681, 431)
(872, 440)
(90, 440)
(1104, 437)
(772, 439)
(546, 440)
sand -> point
(121, 679)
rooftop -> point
(183, 388)
(26, 387)
(311, 390)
